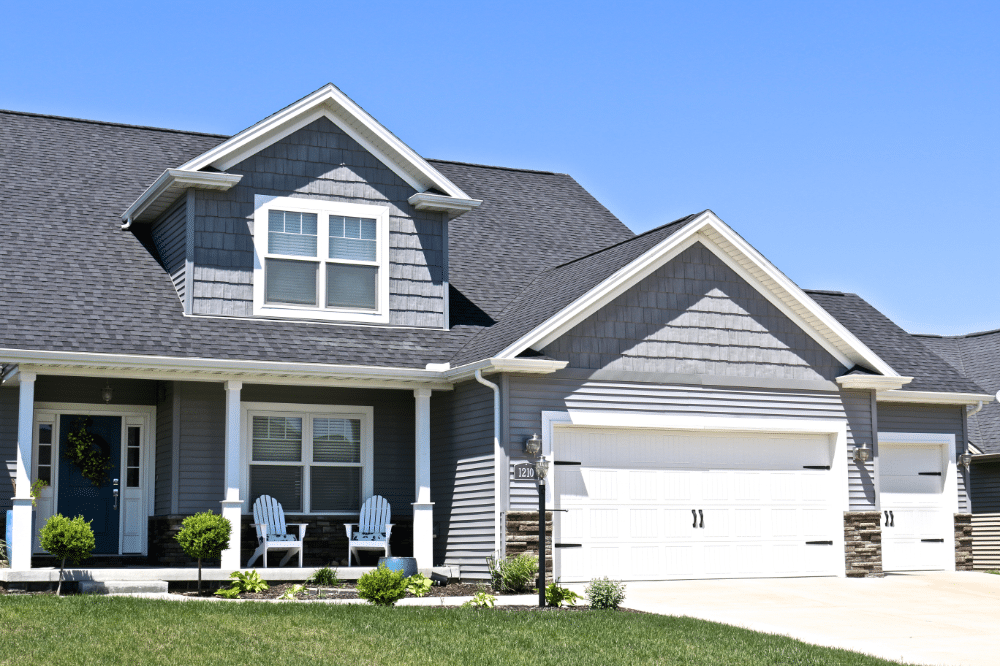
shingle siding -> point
(462, 483)
(943, 419)
(695, 315)
(169, 234)
(317, 162)
(529, 397)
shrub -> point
(293, 592)
(481, 600)
(513, 574)
(228, 592)
(557, 596)
(382, 586)
(325, 577)
(4, 563)
(204, 536)
(68, 540)
(418, 585)
(249, 581)
(605, 593)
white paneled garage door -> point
(654, 505)
(916, 526)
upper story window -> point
(320, 259)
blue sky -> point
(854, 144)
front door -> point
(78, 495)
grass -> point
(100, 630)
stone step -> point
(122, 586)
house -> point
(977, 356)
(311, 310)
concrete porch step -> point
(122, 586)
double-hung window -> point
(311, 459)
(320, 259)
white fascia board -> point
(176, 181)
(935, 397)
(708, 229)
(205, 369)
(876, 382)
(440, 203)
(525, 366)
(349, 117)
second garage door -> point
(657, 505)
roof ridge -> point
(829, 292)
(493, 166)
(956, 337)
(686, 218)
(112, 124)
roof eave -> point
(876, 382)
(443, 204)
(165, 190)
(935, 397)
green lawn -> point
(100, 630)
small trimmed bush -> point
(481, 600)
(605, 593)
(513, 575)
(419, 585)
(557, 596)
(382, 586)
(249, 581)
(204, 536)
(67, 539)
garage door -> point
(657, 505)
(916, 529)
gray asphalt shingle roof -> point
(64, 183)
(902, 351)
(977, 356)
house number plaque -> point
(524, 472)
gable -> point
(695, 315)
(318, 162)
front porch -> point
(199, 446)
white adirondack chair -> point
(272, 531)
(373, 530)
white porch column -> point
(232, 506)
(20, 552)
(423, 508)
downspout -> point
(975, 410)
(497, 463)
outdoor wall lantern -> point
(542, 469)
(107, 393)
(533, 445)
(965, 460)
(862, 454)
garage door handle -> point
(932, 540)
(819, 543)
(886, 519)
(892, 519)
(702, 519)
(815, 467)
(694, 514)
(928, 473)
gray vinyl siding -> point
(695, 315)
(529, 397)
(394, 455)
(8, 450)
(317, 162)
(462, 484)
(49, 388)
(985, 490)
(201, 473)
(164, 451)
(944, 419)
(169, 234)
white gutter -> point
(934, 397)
(497, 462)
(877, 382)
(172, 182)
(975, 410)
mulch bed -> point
(349, 591)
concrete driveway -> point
(932, 618)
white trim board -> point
(726, 244)
(331, 103)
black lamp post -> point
(541, 471)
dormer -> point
(317, 212)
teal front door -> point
(78, 496)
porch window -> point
(320, 259)
(310, 462)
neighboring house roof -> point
(66, 181)
(977, 356)
(904, 352)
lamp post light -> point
(541, 471)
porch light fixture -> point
(533, 445)
(965, 460)
(542, 469)
(107, 393)
(862, 454)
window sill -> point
(292, 312)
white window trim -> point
(365, 413)
(323, 209)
